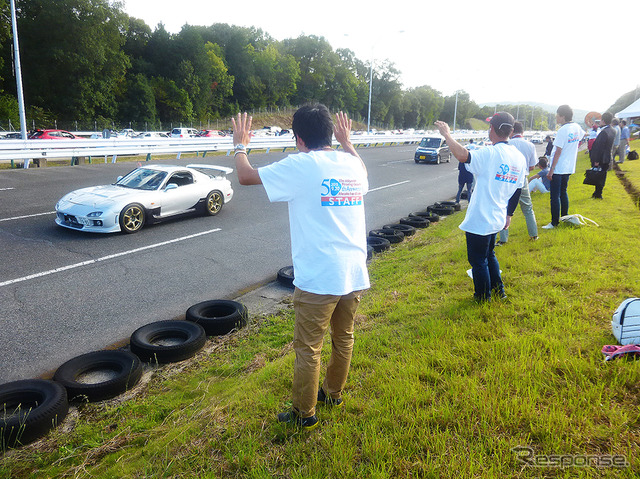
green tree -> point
(172, 102)
(138, 103)
(422, 107)
(221, 87)
(71, 55)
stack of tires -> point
(30, 408)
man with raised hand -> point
(324, 189)
(563, 163)
(500, 172)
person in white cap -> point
(500, 171)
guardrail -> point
(80, 150)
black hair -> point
(518, 128)
(566, 112)
(542, 162)
(312, 124)
(606, 118)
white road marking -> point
(27, 216)
(6, 189)
(388, 186)
(104, 258)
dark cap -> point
(502, 123)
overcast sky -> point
(546, 51)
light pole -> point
(455, 112)
(16, 54)
(371, 86)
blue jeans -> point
(484, 266)
(461, 187)
(559, 198)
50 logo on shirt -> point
(505, 174)
(341, 192)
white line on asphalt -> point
(388, 186)
(6, 189)
(27, 216)
(104, 258)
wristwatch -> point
(240, 147)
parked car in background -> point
(184, 133)
(537, 138)
(52, 135)
(432, 149)
(211, 133)
(151, 134)
(147, 194)
(16, 135)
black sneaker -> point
(328, 400)
(292, 417)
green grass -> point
(476, 124)
(439, 386)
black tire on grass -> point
(286, 276)
(456, 206)
(428, 215)
(441, 210)
(186, 337)
(29, 409)
(378, 244)
(218, 316)
(407, 230)
(125, 365)
(393, 235)
(415, 221)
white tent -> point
(631, 111)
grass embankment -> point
(439, 386)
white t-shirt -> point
(527, 148)
(568, 138)
(500, 170)
(324, 191)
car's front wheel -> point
(213, 203)
(438, 160)
(131, 218)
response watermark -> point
(527, 455)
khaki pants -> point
(314, 314)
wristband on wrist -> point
(238, 152)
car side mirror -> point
(170, 186)
(119, 178)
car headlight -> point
(94, 214)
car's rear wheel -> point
(132, 218)
(213, 203)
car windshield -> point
(143, 179)
(430, 143)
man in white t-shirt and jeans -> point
(324, 189)
(500, 172)
(563, 163)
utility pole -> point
(455, 112)
(16, 55)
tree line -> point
(87, 62)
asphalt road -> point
(64, 293)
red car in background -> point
(52, 135)
(211, 133)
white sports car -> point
(147, 194)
